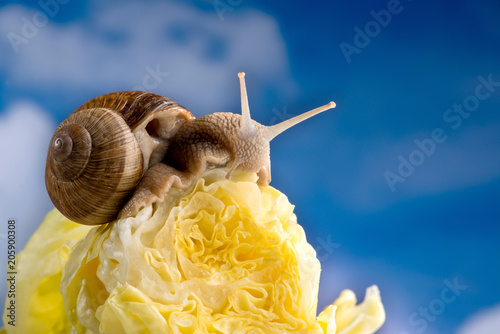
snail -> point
(98, 155)
(123, 151)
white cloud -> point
(111, 48)
(486, 321)
(25, 131)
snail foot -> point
(154, 185)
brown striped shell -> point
(101, 151)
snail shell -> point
(99, 154)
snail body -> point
(123, 151)
(189, 149)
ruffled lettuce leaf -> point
(39, 304)
(223, 257)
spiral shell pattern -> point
(93, 163)
(99, 154)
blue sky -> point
(434, 223)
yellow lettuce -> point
(223, 257)
(363, 318)
(39, 306)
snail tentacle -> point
(123, 151)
